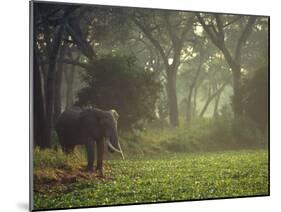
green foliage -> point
(255, 98)
(248, 132)
(168, 178)
(117, 82)
(56, 159)
(227, 132)
(202, 135)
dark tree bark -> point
(50, 92)
(73, 28)
(38, 107)
(51, 24)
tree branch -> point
(155, 43)
(217, 92)
(244, 36)
(67, 61)
(174, 37)
(231, 22)
(82, 44)
(207, 30)
(220, 33)
(187, 28)
(218, 41)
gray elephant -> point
(78, 126)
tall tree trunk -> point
(237, 98)
(189, 106)
(177, 39)
(194, 102)
(38, 107)
(50, 92)
(58, 83)
(172, 97)
(215, 113)
(69, 76)
(189, 112)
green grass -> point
(151, 179)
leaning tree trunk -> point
(194, 103)
(172, 98)
(50, 92)
(210, 99)
(189, 111)
(237, 98)
(216, 107)
(189, 107)
(38, 107)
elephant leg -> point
(90, 156)
(100, 151)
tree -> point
(211, 96)
(117, 82)
(160, 29)
(49, 29)
(58, 83)
(192, 67)
(215, 26)
(38, 106)
(255, 98)
(69, 78)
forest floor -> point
(60, 183)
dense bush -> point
(51, 158)
(241, 132)
(255, 98)
(118, 82)
(202, 135)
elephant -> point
(77, 126)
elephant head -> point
(111, 135)
(104, 124)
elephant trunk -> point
(115, 149)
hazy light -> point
(170, 61)
(198, 30)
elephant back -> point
(68, 125)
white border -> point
(14, 88)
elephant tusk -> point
(121, 151)
(111, 146)
(114, 149)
